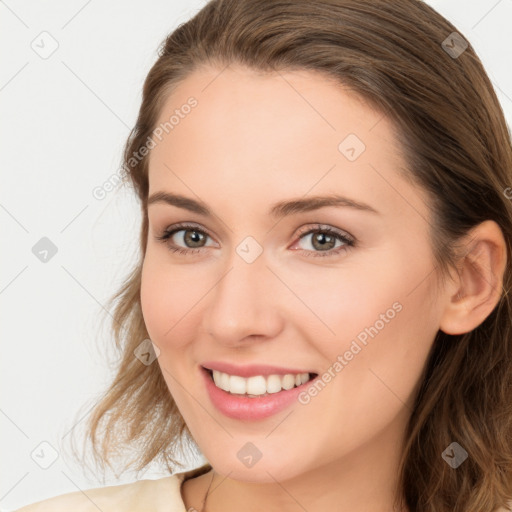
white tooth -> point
(288, 381)
(237, 385)
(224, 381)
(273, 384)
(256, 385)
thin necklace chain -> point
(203, 509)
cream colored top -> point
(160, 495)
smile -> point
(258, 385)
(259, 403)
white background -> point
(64, 121)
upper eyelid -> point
(186, 226)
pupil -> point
(194, 236)
(322, 239)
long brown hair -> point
(404, 58)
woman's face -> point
(261, 287)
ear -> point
(478, 288)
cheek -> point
(151, 297)
(378, 325)
(374, 362)
(158, 296)
(340, 302)
(387, 294)
(170, 306)
(170, 297)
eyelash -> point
(348, 241)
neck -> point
(364, 479)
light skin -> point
(254, 140)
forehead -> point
(286, 133)
(277, 109)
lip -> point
(251, 409)
(252, 369)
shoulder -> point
(162, 494)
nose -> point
(245, 304)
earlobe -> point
(479, 285)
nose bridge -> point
(244, 300)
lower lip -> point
(251, 409)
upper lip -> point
(251, 370)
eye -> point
(322, 238)
(196, 236)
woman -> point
(321, 303)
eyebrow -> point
(278, 210)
